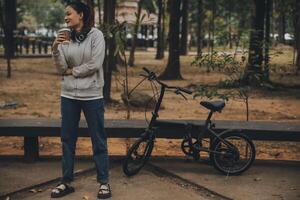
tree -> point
(110, 61)
(254, 66)
(200, 27)
(55, 16)
(8, 21)
(172, 70)
(99, 11)
(48, 13)
(269, 4)
(243, 21)
(184, 27)
(160, 33)
(228, 12)
(281, 21)
(91, 4)
(212, 13)
(297, 33)
(135, 32)
(211, 28)
(149, 6)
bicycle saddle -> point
(213, 105)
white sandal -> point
(61, 190)
(104, 191)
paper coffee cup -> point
(67, 33)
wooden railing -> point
(31, 129)
(30, 46)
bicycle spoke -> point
(137, 156)
(235, 158)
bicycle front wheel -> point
(138, 155)
(233, 154)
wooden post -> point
(31, 149)
(45, 45)
(33, 46)
(21, 45)
(17, 41)
(27, 45)
(39, 46)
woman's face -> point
(73, 18)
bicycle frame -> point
(157, 106)
(153, 122)
(208, 128)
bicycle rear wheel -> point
(234, 155)
(138, 155)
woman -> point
(80, 63)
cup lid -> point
(64, 29)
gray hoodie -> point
(86, 59)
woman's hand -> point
(58, 40)
(68, 72)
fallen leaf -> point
(85, 198)
(276, 154)
(33, 191)
(79, 170)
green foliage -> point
(232, 13)
(211, 92)
(230, 88)
(149, 6)
(49, 13)
(215, 61)
(55, 16)
(117, 32)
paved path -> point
(16, 174)
(265, 180)
(144, 186)
(163, 178)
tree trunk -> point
(91, 4)
(8, 14)
(255, 59)
(267, 38)
(164, 27)
(214, 10)
(229, 30)
(200, 28)
(281, 21)
(145, 34)
(134, 38)
(241, 27)
(160, 36)
(110, 59)
(184, 27)
(172, 70)
(99, 11)
(297, 33)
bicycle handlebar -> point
(146, 70)
(152, 76)
(185, 90)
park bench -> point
(31, 129)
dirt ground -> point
(36, 87)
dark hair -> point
(88, 21)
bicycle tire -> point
(232, 155)
(134, 162)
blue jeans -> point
(94, 114)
